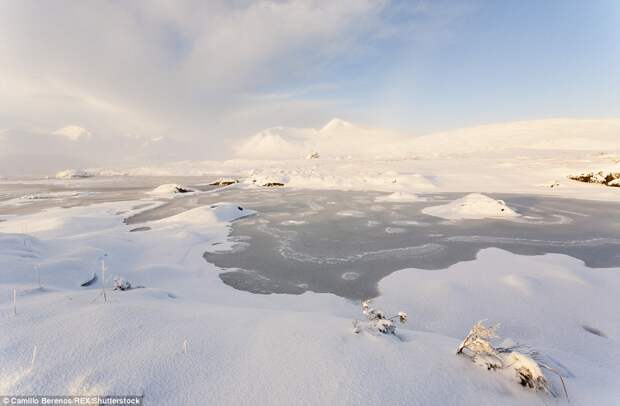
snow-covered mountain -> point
(336, 138)
(342, 138)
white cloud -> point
(199, 73)
(179, 69)
(73, 132)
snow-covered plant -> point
(120, 284)
(525, 365)
(477, 346)
(527, 371)
(378, 321)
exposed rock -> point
(224, 182)
(273, 184)
(170, 189)
(137, 229)
(603, 178)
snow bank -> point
(209, 215)
(349, 177)
(472, 206)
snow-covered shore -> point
(534, 157)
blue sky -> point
(205, 74)
(489, 61)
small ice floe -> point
(293, 222)
(408, 223)
(170, 189)
(351, 213)
(350, 276)
(472, 206)
(74, 174)
(52, 195)
(395, 230)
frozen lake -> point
(344, 242)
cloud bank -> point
(190, 71)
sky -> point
(103, 82)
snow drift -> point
(472, 206)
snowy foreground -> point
(183, 337)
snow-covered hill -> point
(345, 139)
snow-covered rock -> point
(224, 182)
(607, 178)
(216, 213)
(472, 206)
(74, 174)
(119, 283)
(170, 189)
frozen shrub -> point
(527, 371)
(120, 284)
(523, 365)
(377, 320)
(477, 346)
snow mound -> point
(472, 206)
(209, 215)
(74, 174)
(170, 189)
(399, 197)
